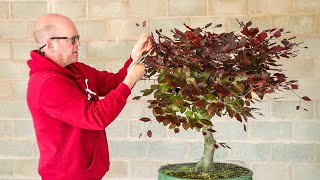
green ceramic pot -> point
(246, 173)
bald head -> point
(50, 25)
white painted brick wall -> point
(283, 144)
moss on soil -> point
(220, 171)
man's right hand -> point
(135, 73)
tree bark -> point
(205, 164)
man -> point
(63, 98)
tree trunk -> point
(205, 164)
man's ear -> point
(50, 45)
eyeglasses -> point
(73, 39)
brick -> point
(307, 132)
(5, 48)
(311, 43)
(147, 8)
(228, 7)
(83, 51)
(21, 50)
(293, 153)
(71, 8)
(189, 135)
(271, 171)
(110, 49)
(24, 128)
(276, 130)
(262, 22)
(19, 88)
(144, 168)
(317, 111)
(15, 30)
(5, 88)
(310, 88)
(92, 30)
(16, 148)
(6, 167)
(298, 67)
(25, 10)
(270, 7)
(14, 109)
(6, 128)
(138, 127)
(125, 29)
(118, 169)
(262, 112)
(107, 8)
(131, 112)
(187, 8)
(287, 111)
(196, 151)
(307, 6)
(235, 130)
(9, 69)
(250, 152)
(297, 24)
(166, 24)
(35, 149)
(202, 21)
(164, 150)
(26, 168)
(127, 149)
(115, 65)
(117, 129)
(97, 64)
(4, 10)
(316, 67)
(318, 153)
(306, 171)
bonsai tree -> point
(200, 74)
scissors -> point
(142, 58)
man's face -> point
(67, 44)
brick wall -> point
(284, 144)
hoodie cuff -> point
(124, 89)
(128, 62)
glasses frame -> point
(73, 39)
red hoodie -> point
(70, 120)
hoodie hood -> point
(39, 63)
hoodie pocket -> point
(100, 161)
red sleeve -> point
(106, 81)
(63, 100)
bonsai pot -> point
(222, 171)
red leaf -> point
(176, 130)
(238, 117)
(306, 98)
(294, 86)
(216, 146)
(255, 42)
(149, 133)
(212, 130)
(145, 119)
(160, 118)
(262, 36)
(277, 34)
